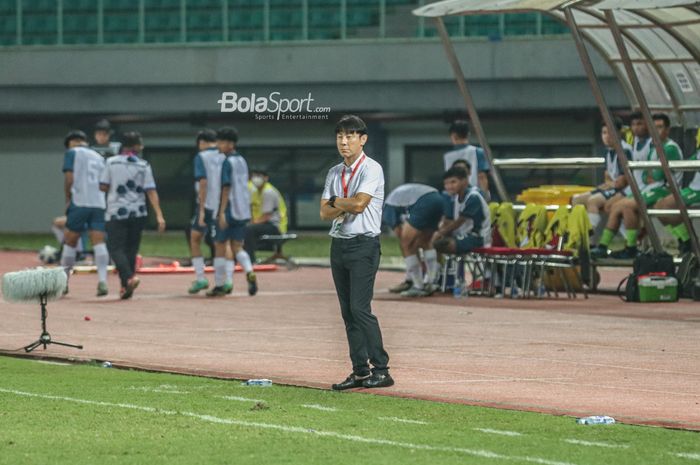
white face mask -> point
(257, 181)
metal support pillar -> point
(609, 122)
(471, 109)
(644, 107)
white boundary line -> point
(322, 408)
(403, 420)
(240, 399)
(596, 444)
(686, 455)
(498, 431)
(158, 390)
(487, 454)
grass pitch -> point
(173, 244)
(85, 414)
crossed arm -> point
(353, 205)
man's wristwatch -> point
(331, 201)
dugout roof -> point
(662, 37)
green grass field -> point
(172, 244)
(86, 414)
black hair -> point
(461, 161)
(229, 133)
(75, 134)
(349, 124)
(616, 121)
(103, 125)
(455, 172)
(663, 117)
(460, 127)
(260, 172)
(636, 115)
(131, 139)
(207, 135)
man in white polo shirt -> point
(352, 199)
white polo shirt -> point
(368, 179)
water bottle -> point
(258, 382)
(596, 420)
(458, 289)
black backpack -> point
(644, 264)
(689, 277)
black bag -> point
(644, 264)
(689, 277)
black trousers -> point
(252, 237)
(123, 240)
(354, 264)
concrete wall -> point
(515, 74)
(529, 90)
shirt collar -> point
(354, 165)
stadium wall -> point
(533, 93)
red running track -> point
(639, 363)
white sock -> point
(595, 219)
(622, 230)
(58, 232)
(80, 246)
(243, 259)
(220, 271)
(414, 270)
(101, 261)
(229, 270)
(431, 264)
(198, 264)
(68, 258)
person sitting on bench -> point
(467, 222)
(269, 211)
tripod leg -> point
(65, 344)
(32, 346)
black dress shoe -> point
(352, 381)
(378, 380)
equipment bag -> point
(645, 264)
(689, 277)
